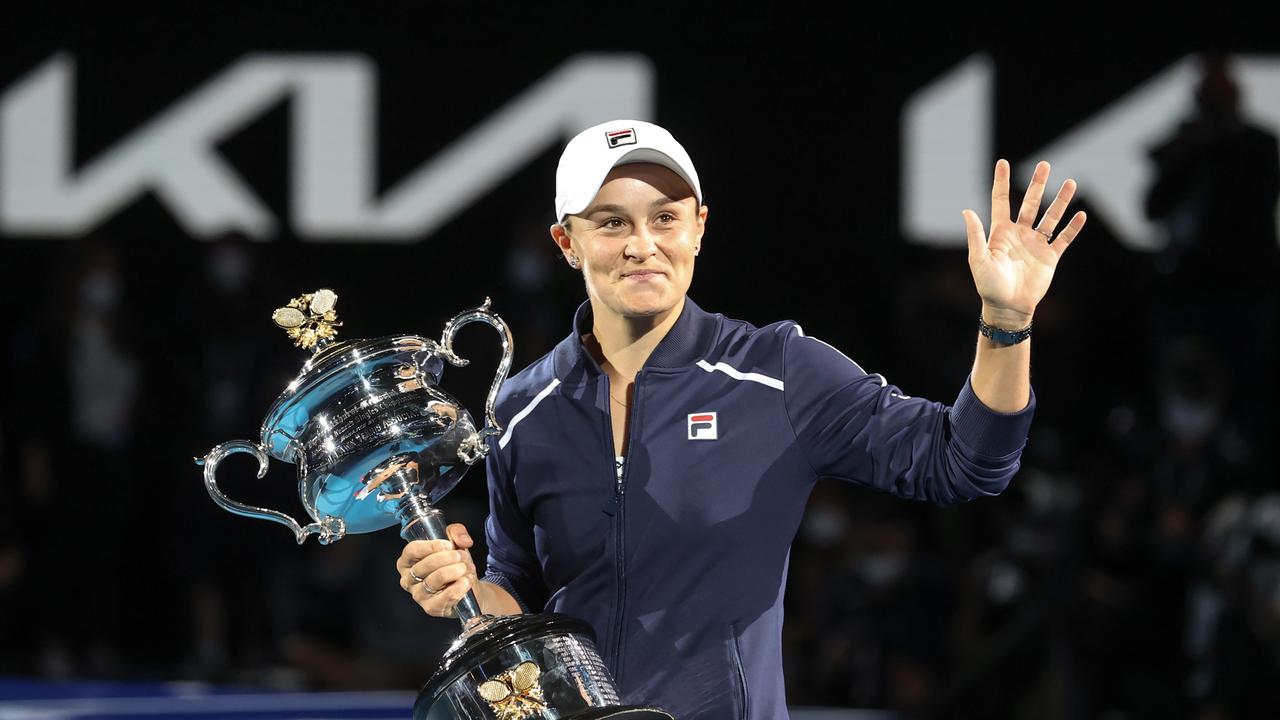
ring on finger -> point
(422, 582)
(1047, 236)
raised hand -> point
(1013, 268)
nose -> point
(640, 245)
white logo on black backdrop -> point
(948, 145)
(947, 148)
(332, 149)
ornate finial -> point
(316, 328)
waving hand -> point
(1013, 267)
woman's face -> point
(637, 240)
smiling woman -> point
(636, 246)
(713, 433)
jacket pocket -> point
(740, 673)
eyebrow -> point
(664, 200)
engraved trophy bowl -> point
(378, 443)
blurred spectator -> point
(1217, 184)
(873, 609)
(1218, 179)
(231, 571)
(75, 383)
(1234, 634)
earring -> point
(696, 248)
(573, 261)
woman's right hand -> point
(445, 570)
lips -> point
(642, 274)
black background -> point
(790, 111)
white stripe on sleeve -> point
(506, 436)
(736, 374)
(878, 376)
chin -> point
(646, 312)
(649, 307)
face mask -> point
(1188, 420)
(100, 290)
(1005, 583)
(229, 269)
(528, 269)
(823, 526)
(881, 570)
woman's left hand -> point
(1012, 270)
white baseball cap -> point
(589, 157)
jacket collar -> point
(687, 341)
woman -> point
(712, 433)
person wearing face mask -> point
(655, 465)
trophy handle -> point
(474, 447)
(329, 529)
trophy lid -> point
(334, 367)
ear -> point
(702, 223)
(562, 239)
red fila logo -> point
(702, 426)
(620, 137)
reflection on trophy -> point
(378, 443)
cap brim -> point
(638, 155)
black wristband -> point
(1003, 337)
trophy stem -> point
(420, 521)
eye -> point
(613, 223)
(666, 217)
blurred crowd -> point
(1131, 571)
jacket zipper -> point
(620, 539)
(742, 674)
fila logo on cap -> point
(620, 137)
(702, 426)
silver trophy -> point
(377, 443)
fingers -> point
(446, 572)
(1027, 212)
(1060, 243)
(440, 569)
(423, 557)
(1000, 193)
(976, 234)
(441, 604)
(458, 534)
(1053, 215)
(1035, 192)
(442, 554)
(418, 549)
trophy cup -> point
(378, 443)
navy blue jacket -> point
(681, 564)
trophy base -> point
(525, 667)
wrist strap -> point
(1003, 337)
